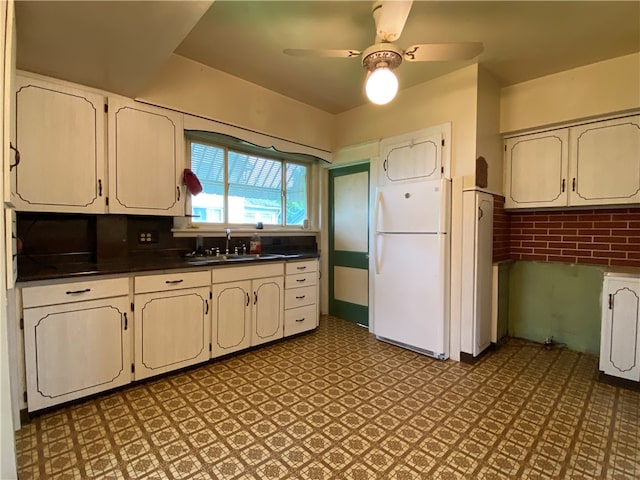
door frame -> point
(340, 308)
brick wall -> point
(595, 237)
(501, 240)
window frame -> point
(248, 149)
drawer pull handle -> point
(173, 282)
(300, 280)
(301, 268)
(75, 292)
(300, 319)
(300, 297)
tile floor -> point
(338, 404)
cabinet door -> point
(620, 339)
(172, 330)
(268, 310)
(231, 317)
(76, 349)
(60, 136)
(146, 159)
(477, 250)
(416, 156)
(536, 170)
(605, 162)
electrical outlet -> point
(148, 237)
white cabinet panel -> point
(536, 170)
(268, 310)
(231, 317)
(620, 337)
(60, 136)
(597, 163)
(76, 349)
(146, 159)
(477, 272)
(605, 162)
(415, 156)
(172, 330)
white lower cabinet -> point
(172, 321)
(620, 338)
(301, 297)
(77, 340)
(247, 307)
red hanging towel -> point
(191, 181)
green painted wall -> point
(558, 300)
(503, 298)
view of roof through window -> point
(255, 188)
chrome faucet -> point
(228, 231)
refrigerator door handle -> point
(376, 254)
(376, 211)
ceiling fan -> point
(384, 56)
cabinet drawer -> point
(74, 292)
(171, 281)
(297, 297)
(302, 267)
(301, 280)
(300, 319)
(249, 272)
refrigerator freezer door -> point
(413, 207)
(410, 291)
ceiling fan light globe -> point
(381, 86)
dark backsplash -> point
(54, 239)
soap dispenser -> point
(255, 244)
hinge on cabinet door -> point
(133, 368)
(24, 396)
(441, 169)
(22, 324)
(210, 348)
(106, 199)
(210, 295)
(505, 148)
(106, 108)
(132, 306)
(443, 142)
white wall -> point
(602, 88)
(191, 87)
(489, 139)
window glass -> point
(255, 189)
(244, 188)
(296, 193)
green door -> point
(349, 243)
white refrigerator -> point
(411, 265)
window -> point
(248, 187)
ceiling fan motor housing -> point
(386, 53)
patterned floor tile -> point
(338, 404)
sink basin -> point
(231, 257)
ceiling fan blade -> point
(435, 52)
(304, 52)
(390, 17)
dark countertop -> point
(36, 271)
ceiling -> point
(119, 46)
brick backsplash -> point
(501, 240)
(596, 237)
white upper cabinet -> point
(596, 163)
(605, 162)
(60, 136)
(536, 170)
(413, 156)
(146, 159)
